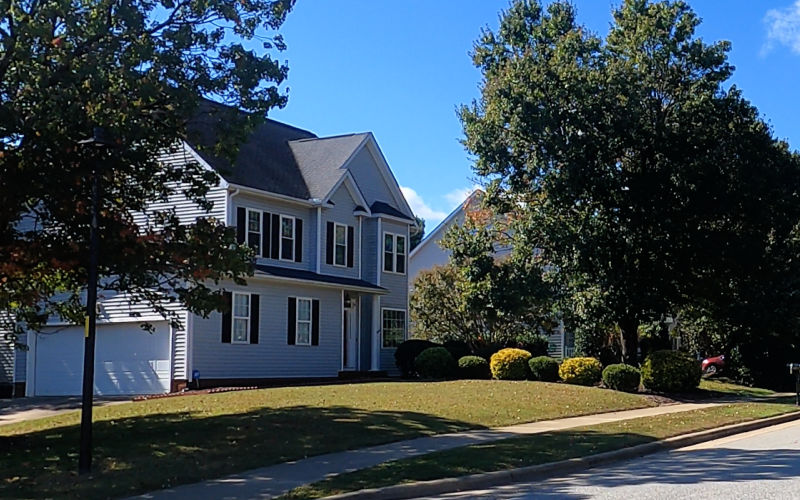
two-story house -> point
(330, 227)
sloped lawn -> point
(164, 442)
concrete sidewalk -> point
(278, 479)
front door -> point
(349, 334)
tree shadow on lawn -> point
(144, 453)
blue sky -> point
(400, 68)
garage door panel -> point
(128, 360)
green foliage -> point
(140, 71)
(614, 156)
(543, 369)
(510, 364)
(621, 377)
(457, 348)
(473, 367)
(436, 363)
(407, 352)
(417, 234)
(670, 371)
(533, 342)
(580, 371)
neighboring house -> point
(330, 226)
(429, 254)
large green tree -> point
(643, 177)
(139, 70)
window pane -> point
(241, 305)
(401, 244)
(254, 242)
(394, 326)
(341, 235)
(240, 330)
(401, 263)
(388, 243)
(387, 261)
(253, 221)
(340, 255)
(287, 248)
(304, 310)
(303, 333)
(287, 228)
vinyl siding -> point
(186, 210)
(369, 250)
(180, 351)
(342, 213)
(307, 214)
(20, 365)
(397, 298)
(369, 179)
(272, 357)
(6, 362)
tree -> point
(140, 70)
(417, 232)
(477, 297)
(644, 181)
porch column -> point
(375, 358)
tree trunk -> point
(629, 332)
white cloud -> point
(422, 209)
(455, 197)
(783, 28)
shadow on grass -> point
(677, 474)
(139, 454)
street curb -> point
(543, 471)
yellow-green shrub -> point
(581, 371)
(510, 364)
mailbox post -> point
(794, 369)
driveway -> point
(22, 409)
(754, 465)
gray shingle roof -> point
(299, 274)
(380, 207)
(320, 160)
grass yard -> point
(724, 387)
(164, 442)
(539, 449)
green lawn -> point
(164, 442)
(541, 448)
(725, 387)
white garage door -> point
(128, 360)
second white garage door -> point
(128, 360)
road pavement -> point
(762, 464)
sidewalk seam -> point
(547, 470)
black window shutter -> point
(298, 240)
(276, 236)
(350, 245)
(315, 322)
(241, 224)
(227, 298)
(253, 318)
(291, 318)
(265, 234)
(329, 244)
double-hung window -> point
(303, 330)
(394, 253)
(287, 237)
(340, 245)
(254, 230)
(241, 318)
(394, 327)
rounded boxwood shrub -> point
(581, 371)
(543, 369)
(510, 364)
(473, 367)
(407, 352)
(621, 377)
(670, 371)
(435, 362)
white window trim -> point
(394, 253)
(405, 326)
(346, 249)
(281, 236)
(234, 317)
(297, 320)
(260, 230)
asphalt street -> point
(763, 464)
